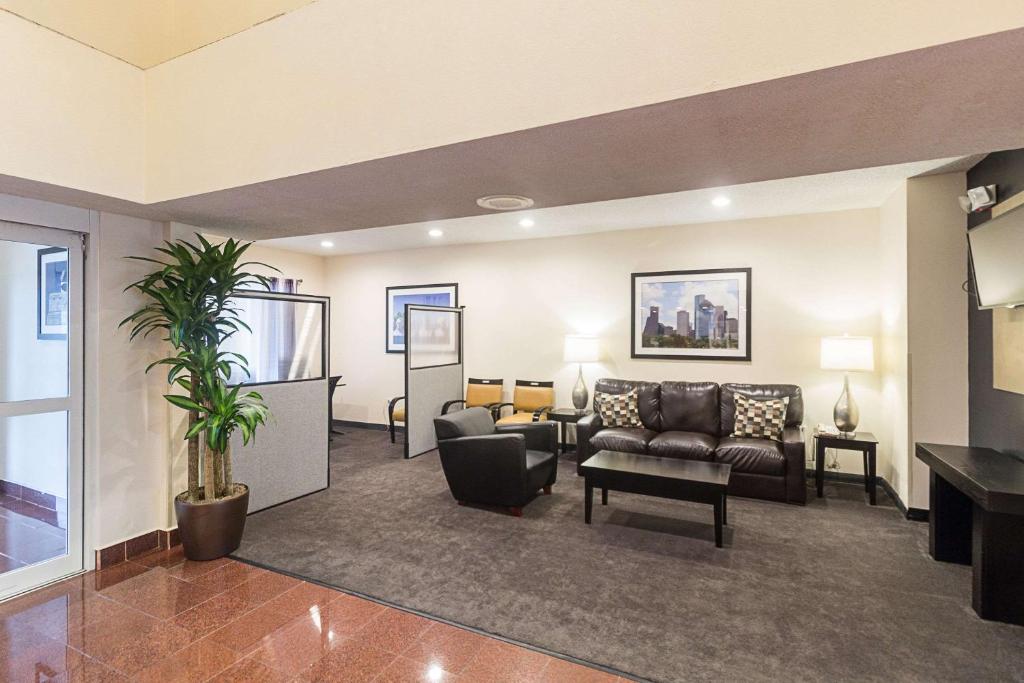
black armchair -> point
(496, 465)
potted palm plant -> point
(189, 303)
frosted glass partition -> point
(433, 371)
(287, 350)
(285, 341)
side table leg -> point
(725, 509)
(604, 496)
(872, 479)
(998, 559)
(949, 522)
(819, 466)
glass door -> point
(41, 425)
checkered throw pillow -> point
(760, 418)
(619, 410)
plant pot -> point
(212, 530)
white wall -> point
(813, 275)
(33, 449)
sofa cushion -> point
(618, 410)
(648, 399)
(684, 445)
(758, 456)
(794, 413)
(760, 418)
(627, 439)
(689, 407)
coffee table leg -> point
(719, 516)
(725, 509)
(604, 496)
(588, 502)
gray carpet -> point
(836, 590)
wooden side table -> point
(565, 416)
(865, 442)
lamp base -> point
(580, 398)
(846, 413)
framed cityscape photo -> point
(446, 294)
(52, 293)
(692, 315)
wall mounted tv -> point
(997, 259)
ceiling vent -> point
(505, 202)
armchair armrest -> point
(449, 404)
(496, 409)
(540, 436)
(537, 414)
(793, 448)
(586, 427)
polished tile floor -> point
(26, 539)
(162, 618)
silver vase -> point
(579, 392)
(846, 413)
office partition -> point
(287, 348)
(433, 370)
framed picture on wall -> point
(446, 294)
(52, 293)
(691, 315)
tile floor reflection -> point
(25, 539)
(162, 618)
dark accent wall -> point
(996, 417)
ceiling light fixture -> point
(504, 202)
(526, 223)
(721, 201)
(436, 232)
(327, 244)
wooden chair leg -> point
(516, 512)
(547, 490)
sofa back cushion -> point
(689, 407)
(648, 398)
(794, 413)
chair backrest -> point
(470, 422)
(530, 395)
(481, 392)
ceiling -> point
(148, 32)
(857, 189)
(938, 102)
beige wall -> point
(894, 429)
(523, 297)
(936, 324)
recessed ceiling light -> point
(720, 201)
(436, 232)
(327, 244)
(504, 202)
(526, 223)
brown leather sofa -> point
(694, 420)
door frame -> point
(75, 560)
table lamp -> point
(850, 354)
(580, 349)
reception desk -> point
(977, 518)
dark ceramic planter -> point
(211, 530)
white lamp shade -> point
(847, 353)
(580, 349)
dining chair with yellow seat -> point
(485, 393)
(531, 402)
(396, 413)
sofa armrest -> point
(586, 427)
(540, 436)
(793, 447)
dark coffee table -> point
(692, 480)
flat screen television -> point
(997, 260)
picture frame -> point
(52, 293)
(396, 298)
(713, 305)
